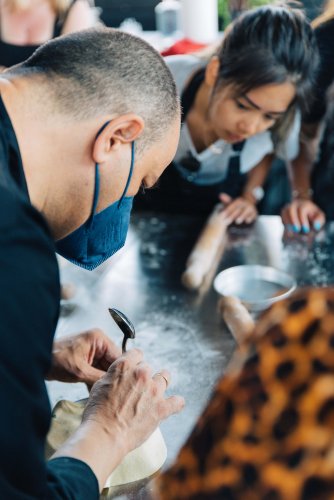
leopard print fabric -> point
(268, 431)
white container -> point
(200, 20)
(168, 17)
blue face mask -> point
(103, 234)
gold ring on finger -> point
(165, 379)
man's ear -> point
(211, 72)
(120, 130)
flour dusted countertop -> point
(177, 329)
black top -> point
(325, 76)
(11, 54)
(322, 179)
(29, 305)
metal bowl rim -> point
(267, 273)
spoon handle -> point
(125, 339)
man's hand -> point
(129, 402)
(124, 407)
(302, 216)
(82, 358)
(239, 210)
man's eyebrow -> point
(255, 106)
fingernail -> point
(296, 229)
(317, 225)
(305, 229)
(289, 227)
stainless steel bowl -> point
(256, 286)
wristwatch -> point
(257, 193)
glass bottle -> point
(168, 17)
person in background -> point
(267, 432)
(322, 173)
(26, 24)
(312, 198)
(84, 122)
(239, 110)
(313, 8)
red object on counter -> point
(184, 46)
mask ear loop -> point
(130, 173)
(97, 182)
(97, 179)
(96, 194)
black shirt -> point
(325, 75)
(322, 178)
(29, 306)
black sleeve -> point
(71, 478)
(29, 302)
(325, 75)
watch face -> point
(258, 193)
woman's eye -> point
(240, 105)
(270, 118)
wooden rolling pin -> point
(206, 247)
(237, 318)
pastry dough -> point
(138, 464)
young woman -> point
(26, 24)
(312, 193)
(238, 111)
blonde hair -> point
(327, 14)
(59, 6)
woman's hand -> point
(302, 216)
(82, 358)
(240, 210)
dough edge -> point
(137, 465)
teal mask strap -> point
(130, 173)
(97, 179)
(97, 184)
(96, 194)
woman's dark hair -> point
(270, 45)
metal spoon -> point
(124, 324)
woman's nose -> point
(250, 127)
